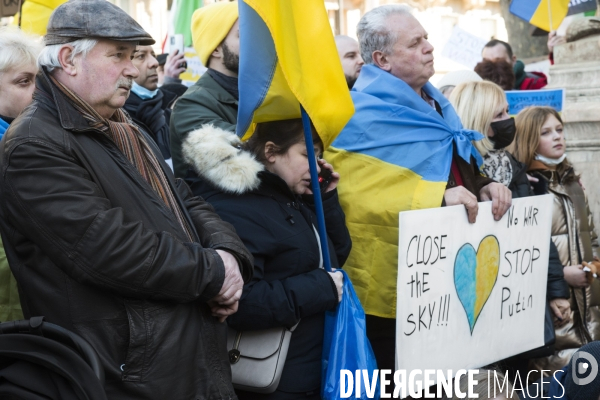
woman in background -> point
(18, 68)
(540, 144)
(263, 190)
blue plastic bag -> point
(345, 346)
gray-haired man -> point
(403, 129)
(100, 236)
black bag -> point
(40, 360)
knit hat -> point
(582, 365)
(210, 25)
(455, 78)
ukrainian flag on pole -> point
(287, 58)
(545, 14)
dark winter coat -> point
(204, 103)
(288, 286)
(95, 250)
(153, 116)
(519, 184)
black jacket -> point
(96, 251)
(277, 227)
(154, 116)
(519, 184)
(288, 286)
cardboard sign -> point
(8, 8)
(520, 99)
(464, 47)
(471, 294)
(195, 68)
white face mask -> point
(551, 161)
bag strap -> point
(577, 196)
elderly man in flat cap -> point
(213, 99)
(100, 236)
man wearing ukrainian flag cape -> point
(404, 149)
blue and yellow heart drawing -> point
(475, 274)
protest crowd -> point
(133, 215)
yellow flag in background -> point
(545, 14)
(36, 14)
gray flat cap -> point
(93, 19)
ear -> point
(65, 60)
(218, 52)
(380, 60)
(270, 151)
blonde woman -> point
(540, 144)
(482, 107)
(18, 67)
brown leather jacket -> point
(96, 251)
(585, 303)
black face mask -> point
(504, 133)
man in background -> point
(101, 238)
(350, 56)
(213, 99)
(498, 50)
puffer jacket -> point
(95, 250)
(585, 303)
(277, 226)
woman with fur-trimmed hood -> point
(263, 189)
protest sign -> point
(471, 294)
(464, 47)
(8, 8)
(195, 68)
(581, 6)
(520, 99)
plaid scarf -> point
(134, 146)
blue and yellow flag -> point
(394, 155)
(288, 55)
(545, 14)
(36, 14)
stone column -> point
(577, 69)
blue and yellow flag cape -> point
(394, 155)
(288, 55)
(545, 14)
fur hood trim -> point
(216, 156)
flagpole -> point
(314, 181)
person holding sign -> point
(540, 144)
(482, 106)
(404, 149)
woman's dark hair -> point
(284, 134)
(498, 71)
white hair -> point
(18, 48)
(374, 33)
(49, 56)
